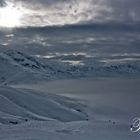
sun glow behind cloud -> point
(36, 13)
(10, 16)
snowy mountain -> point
(18, 67)
(28, 113)
(20, 105)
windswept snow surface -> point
(101, 109)
(24, 105)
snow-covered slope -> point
(18, 67)
(31, 114)
(22, 105)
(109, 111)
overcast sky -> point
(55, 12)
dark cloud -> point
(125, 10)
(2, 3)
(54, 12)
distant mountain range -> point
(18, 67)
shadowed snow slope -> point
(23, 105)
(17, 67)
